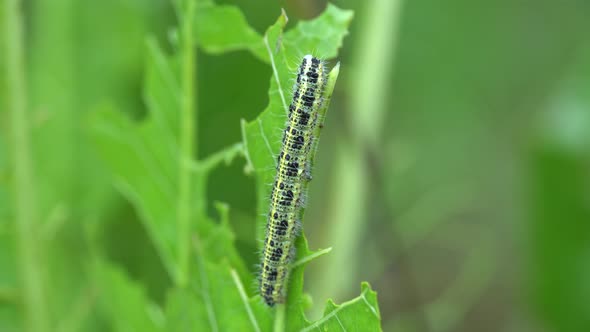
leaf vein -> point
(369, 305)
(334, 313)
(340, 323)
(276, 73)
(264, 137)
(244, 297)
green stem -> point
(373, 63)
(279, 324)
(36, 313)
(188, 146)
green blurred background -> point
(453, 172)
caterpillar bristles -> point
(293, 172)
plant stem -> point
(188, 146)
(374, 60)
(279, 323)
(36, 314)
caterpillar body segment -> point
(293, 171)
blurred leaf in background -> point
(453, 172)
(70, 193)
(449, 245)
(559, 185)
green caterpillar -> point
(293, 169)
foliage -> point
(215, 298)
(136, 151)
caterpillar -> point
(293, 169)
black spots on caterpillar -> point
(293, 170)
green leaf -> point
(220, 29)
(322, 36)
(261, 136)
(359, 314)
(134, 154)
(216, 301)
(143, 157)
(218, 243)
(161, 90)
(125, 301)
